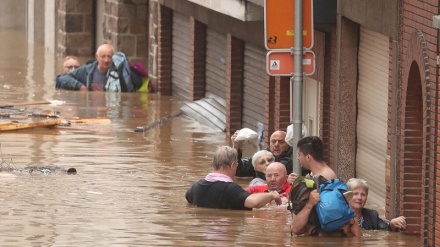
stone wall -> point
(75, 29)
(126, 27)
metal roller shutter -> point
(181, 55)
(216, 65)
(253, 87)
(372, 113)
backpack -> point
(119, 79)
(139, 78)
(333, 209)
(299, 196)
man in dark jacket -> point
(278, 147)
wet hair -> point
(311, 145)
(224, 157)
(258, 155)
(71, 57)
(356, 183)
(101, 46)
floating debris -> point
(14, 125)
(9, 166)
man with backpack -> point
(311, 157)
(109, 72)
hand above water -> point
(398, 223)
(292, 177)
(236, 145)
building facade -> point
(375, 89)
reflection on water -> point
(130, 186)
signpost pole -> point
(296, 82)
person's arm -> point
(398, 223)
(72, 80)
(236, 145)
(300, 221)
(355, 228)
(258, 200)
(244, 166)
(372, 221)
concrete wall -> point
(13, 14)
(377, 15)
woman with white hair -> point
(368, 219)
(260, 161)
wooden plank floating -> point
(9, 126)
(43, 102)
(91, 120)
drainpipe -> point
(297, 81)
(436, 24)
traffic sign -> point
(281, 63)
(279, 24)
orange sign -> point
(280, 63)
(279, 24)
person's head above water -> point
(71, 63)
(104, 55)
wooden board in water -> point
(8, 126)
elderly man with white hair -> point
(276, 177)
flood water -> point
(129, 188)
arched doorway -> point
(411, 167)
(416, 168)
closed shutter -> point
(253, 87)
(372, 113)
(311, 101)
(181, 56)
(216, 65)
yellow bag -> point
(144, 88)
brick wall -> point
(277, 98)
(272, 84)
(234, 83)
(418, 173)
(164, 54)
(198, 47)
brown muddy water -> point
(129, 187)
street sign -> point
(281, 63)
(279, 24)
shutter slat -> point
(372, 114)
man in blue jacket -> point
(96, 75)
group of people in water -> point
(108, 71)
(272, 173)
(271, 168)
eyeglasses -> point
(268, 161)
(71, 66)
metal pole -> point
(297, 80)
